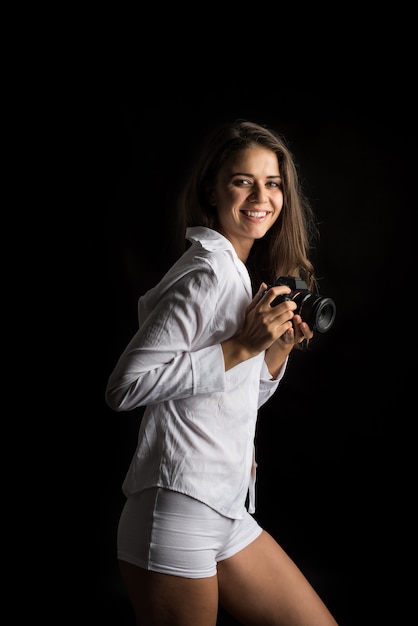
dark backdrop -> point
(332, 444)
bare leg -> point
(164, 600)
(262, 586)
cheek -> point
(279, 209)
(224, 213)
(228, 197)
(228, 203)
(278, 206)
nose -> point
(258, 194)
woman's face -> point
(248, 197)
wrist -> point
(235, 352)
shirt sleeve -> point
(268, 385)
(173, 354)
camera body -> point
(318, 312)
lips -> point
(256, 214)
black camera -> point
(316, 311)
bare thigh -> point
(262, 586)
(167, 600)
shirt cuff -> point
(208, 368)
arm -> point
(162, 362)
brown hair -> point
(284, 250)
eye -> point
(275, 184)
(245, 182)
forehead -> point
(253, 160)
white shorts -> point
(171, 533)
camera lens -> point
(318, 313)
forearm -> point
(235, 352)
(142, 377)
(276, 356)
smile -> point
(257, 214)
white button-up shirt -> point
(197, 432)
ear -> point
(210, 195)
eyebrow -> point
(252, 175)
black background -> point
(334, 443)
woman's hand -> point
(274, 329)
(295, 333)
(278, 352)
(298, 333)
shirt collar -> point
(210, 239)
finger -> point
(258, 296)
(276, 295)
(303, 331)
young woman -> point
(209, 351)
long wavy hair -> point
(284, 249)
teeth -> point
(255, 213)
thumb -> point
(258, 295)
(261, 291)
